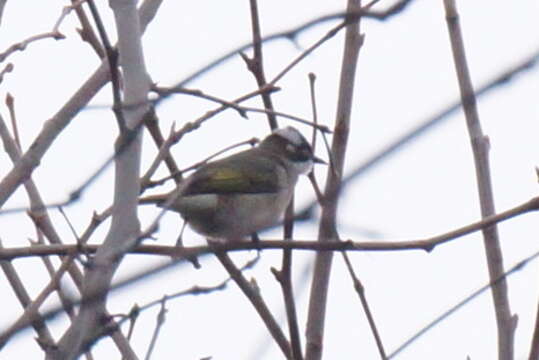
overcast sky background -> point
(405, 74)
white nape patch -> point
(291, 134)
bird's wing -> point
(238, 175)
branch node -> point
(278, 274)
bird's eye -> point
(290, 148)
(299, 153)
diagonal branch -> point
(290, 34)
(480, 146)
(257, 301)
(45, 338)
(40, 216)
(31, 308)
(54, 126)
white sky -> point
(405, 74)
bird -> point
(235, 197)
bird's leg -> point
(179, 240)
(179, 243)
(256, 240)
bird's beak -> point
(319, 161)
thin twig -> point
(392, 148)
(87, 33)
(20, 46)
(311, 176)
(133, 317)
(319, 127)
(158, 326)
(7, 69)
(200, 94)
(196, 290)
(256, 64)
(360, 291)
(54, 33)
(45, 339)
(31, 314)
(176, 136)
(252, 142)
(242, 110)
(69, 224)
(152, 124)
(52, 128)
(284, 277)
(331, 33)
(65, 11)
(292, 33)
(518, 266)
(67, 304)
(10, 103)
(112, 58)
(312, 93)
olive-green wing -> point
(236, 175)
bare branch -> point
(480, 146)
(504, 77)
(360, 291)
(188, 127)
(87, 33)
(427, 244)
(292, 33)
(31, 314)
(123, 233)
(256, 64)
(327, 231)
(158, 326)
(519, 266)
(184, 254)
(257, 301)
(284, 277)
(52, 127)
(39, 215)
(45, 338)
(148, 184)
(20, 46)
(54, 33)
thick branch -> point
(124, 229)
